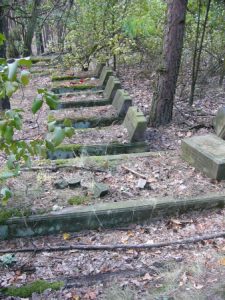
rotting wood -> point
(115, 247)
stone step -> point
(206, 153)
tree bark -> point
(162, 102)
(31, 29)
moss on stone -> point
(70, 147)
(66, 77)
(27, 290)
(79, 87)
(6, 214)
(38, 59)
(78, 200)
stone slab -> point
(99, 69)
(136, 124)
(219, 123)
(113, 84)
(206, 153)
(106, 215)
(121, 102)
(105, 74)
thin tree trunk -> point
(162, 103)
(197, 61)
(4, 102)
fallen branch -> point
(117, 246)
(134, 172)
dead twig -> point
(134, 172)
(82, 247)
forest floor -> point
(179, 272)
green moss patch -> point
(79, 87)
(38, 59)
(66, 77)
(27, 290)
(6, 214)
(78, 200)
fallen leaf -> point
(66, 236)
(222, 261)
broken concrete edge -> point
(105, 74)
(83, 103)
(105, 161)
(136, 124)
(87, 92)
(121, 102)
(65, 89)
(95, 73)
(112, 85)
(87, 122)
(67, 151)
(106, 215)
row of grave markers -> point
(112, 93)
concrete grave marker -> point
(99, 69)
(113, 84)
(121, 102)
(219, 123)
(206, 153)
(105, 74)
(136, 124)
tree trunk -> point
(197, 57)
(4, 102)
(31, 29)
(39, 43)
(162, 102)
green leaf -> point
(8, 134)
(58, 136)
(12, 70)
(36, 105)
(51, 126)
(3, 60)
(10, 87)
(25, 77)
(51, 101)
(6, 194)
(49, 145)
(7, 174)
(67, 123)
(10, 162)
(41, 91)
(18, 122)
(69, 131)
(25, 62)
(2, 38)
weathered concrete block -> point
(121, 102)
(136, 124)
(219, 123)
(113, 84)
(99, 69)
(105, 74)
(206, 153)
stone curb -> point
(106, 215)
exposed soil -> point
(179, 272)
